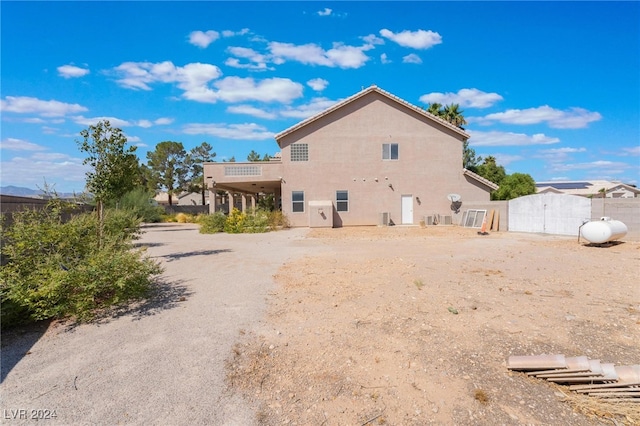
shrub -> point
(182, 218)
(257, 222)
(59, 269)
(140, 201)
(278, 220)
(212, 223)
(235, 222)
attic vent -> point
(384, 219)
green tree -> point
(515, 185)
(169, 169)
(266, 157)
(196, 158)
(113, 166)
(489, 169)
(454, 115)
(230, 160)
(253, 156)
(469, 159)
(435, 109)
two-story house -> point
(372, 157)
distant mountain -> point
(28, 192)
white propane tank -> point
(603, 230)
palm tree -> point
(435, 109)
(453, 114)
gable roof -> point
(364, 92)
(480, 179)
(584, 188)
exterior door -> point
(407, 209)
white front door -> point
(407, 209)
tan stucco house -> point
(370, 159)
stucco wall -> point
(626, 210)
(549, 213)
(345, 153)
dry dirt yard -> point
(413, 326)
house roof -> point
(584, 188)
(480, 179)
(359, 95)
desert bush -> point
(182, 218)
(139, 201)
(257, 222)
(212, 223)
(235, 222)
(278, 220)
(60, 269)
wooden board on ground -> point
(496, 222)
(490, 219)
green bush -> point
(59, 269)
(257, 222)
(212, 223)
(235, 222)
(140, 202)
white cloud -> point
(506, 159)
(203, 39)
(573, 118)
(496, 138)
(29, 105)
(340, 55)
(144, 123)
(411, 58)
(92, 121)
(420, 39)
(236, 89)
(132, 139)
(252, 111)
(372, 39)
(193, 78)
(13, 144)
(246, 131)
(633, 151)
(318, 84)
(71, 71)
(316, 106)
(602, 166)
(65, 173)
(258, 61)
(229, 33)
(384, 59)
(472, 98)
(163, 121)
(325, 12)
(555, 155)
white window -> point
(300, 152)
(389, 151)
(297, 201)
(342, 201)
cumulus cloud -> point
(341, 56)
(315, 106)
(558, 154)
(420, 39)
(572, 118)
(496, 138)
(412, 58)
(64, 172)
(13, 144)
(257, 61)
(472, 98)
(163, 121)
(29, 105)
(71, 71)
(192, 78)
(203, 39)
(92, 121)
(384, 59)
(318, 84)
(236, 89)
(245, 131)
(602, 166)
(252, 111)
(229, 33)
(372, 39)
(325, 12)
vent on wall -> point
(384, 219)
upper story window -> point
(300, 152)
(342, 201)
(389, 151)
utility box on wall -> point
(320, 214)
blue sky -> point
(549, 89)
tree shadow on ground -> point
(177, 256)
(17, 343)
(141, 245)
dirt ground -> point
(413, 326)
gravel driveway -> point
(161, 362)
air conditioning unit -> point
(447, 220)
(428, 220)
(384, 219)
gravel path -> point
(161, 362)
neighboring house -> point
(593, 188)
(370, 159)
(184, 199)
